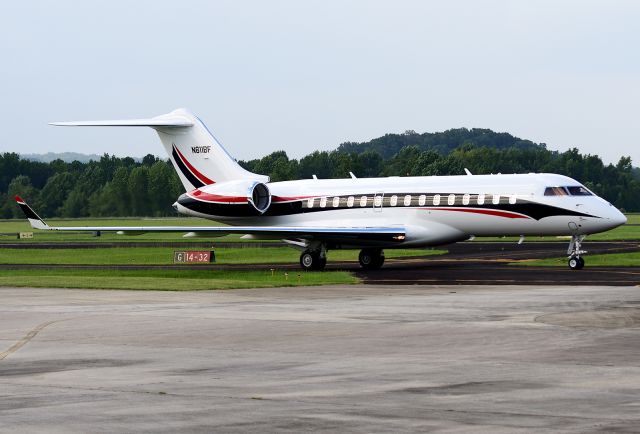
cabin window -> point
(394, 200)
(481, 199)
(350, 201)
(496, 199)
(310, 202)
(422, 200)
(512, 199)
(555, 191)
(336, 202)
(377, 201)
(407, 200)
(451, 199)
(579, 190)
(465, 199)
(363, 201)
(436, 200)
(323, 202)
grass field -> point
(168, 280)
(182, 279)
(164, 255)
(633, 219)
(175, 279)
(608, 260)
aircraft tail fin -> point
(195, 153)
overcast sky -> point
(308, 75)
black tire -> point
(312, 261)
(371, 259)
(575, 263)
(581, 263)
(307, 260)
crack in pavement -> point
(27, 338)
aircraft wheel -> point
(576, 263)
(371, 259)
(310, 260)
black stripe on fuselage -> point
(185, 170)
(219, 209)
(533, 210)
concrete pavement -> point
(349, 359)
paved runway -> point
(368, 358)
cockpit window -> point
(574, 190)
(555, 191)
(579, 190)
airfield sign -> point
(194, 256)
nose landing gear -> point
(576, 262)
(575, 252)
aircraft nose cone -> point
(619, 219)
(615, 217)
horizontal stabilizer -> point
(170, 120)
(196, 155)
(128, 123)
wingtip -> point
(34, 220)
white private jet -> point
(372, 214)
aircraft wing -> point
(343, 234)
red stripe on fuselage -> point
(193, 170)
(208, 197)
(492, 212)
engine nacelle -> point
(229, 199)
(260, 197)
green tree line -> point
(115, 187)
(442, 142)
(110, 187)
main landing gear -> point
(575, 252)
(371, 259)
(313, 260)
(316, 259)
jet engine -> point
(240, 198)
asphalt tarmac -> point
(481, 263)
(362, 359)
